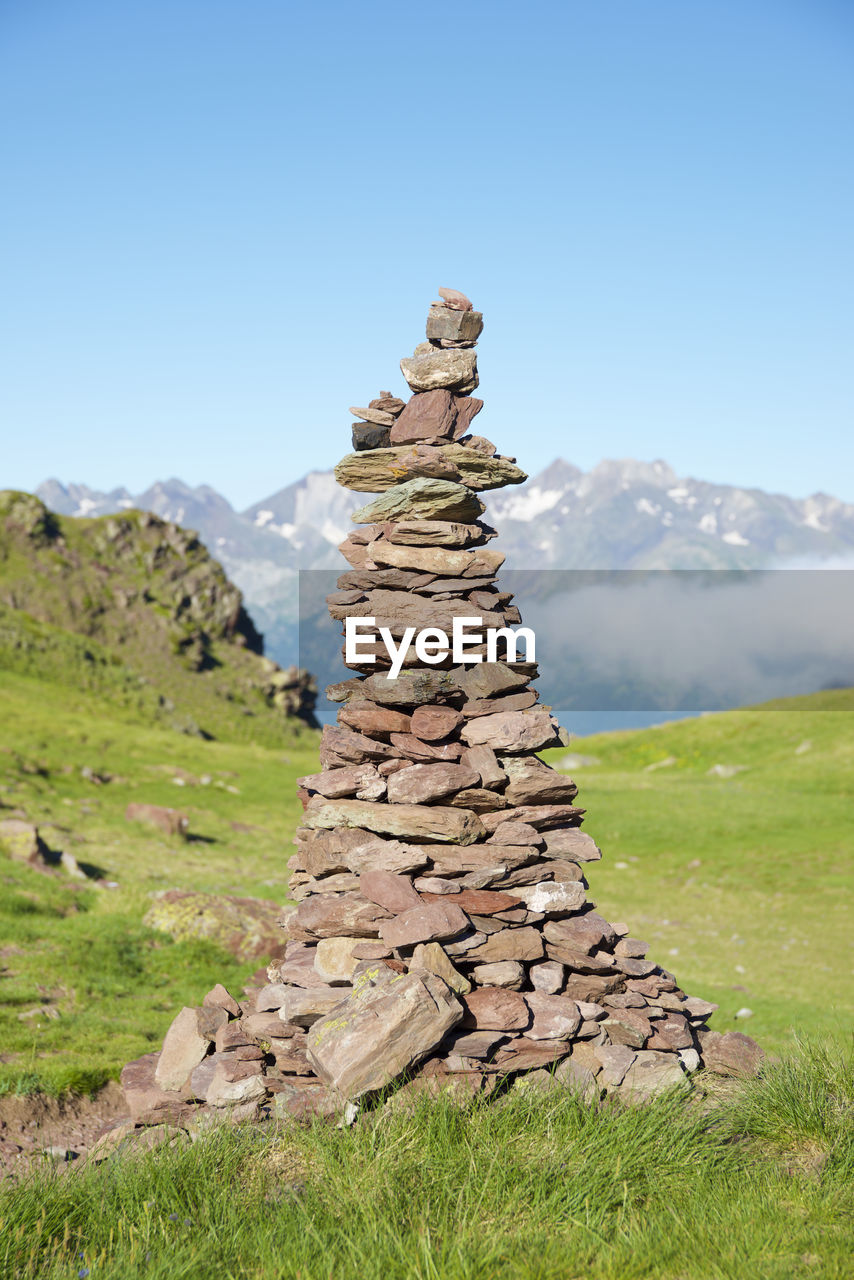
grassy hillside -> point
(736, 882)
(135, 610)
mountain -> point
(135, 609)
(620, 515)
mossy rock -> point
(247, 927)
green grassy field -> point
(739, 883)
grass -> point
(754, 1180)
(84, 952)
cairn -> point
(442, 933)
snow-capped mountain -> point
(621, 515)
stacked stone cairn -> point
(442, 935)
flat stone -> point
(585, 933)
(381, 1031)
(549, 898)
(590, 987)
(555, 1017)
(432, 957)
(435, 533)
(453, 298)
(451, 325)
(300, 1099)
(378, 416)
(524, 1054)
(547, 977)
(651, 1073)
(347, 781)
(425, 782)
(514, 833)
(516, 731)
(483, 760)
(484, 902)
(425, 923)
(428, 822)
(572, 843)
(231, 1086)
(524, 944)
(487, 680)
(335, 915)
(579, 1079)
(495, 1009)
(186, 1043)
(730, 1053)
(351, 746)
(393, 892)
(579, 962)
(144, 1097)
(247, 927)
(491, 706)
(627, 1027)
(373, 720)
(378, 470)
(420, 752)
(422, 499)
(302, 1006)
(532, 782)
(335, 960)
(671, 1033)
(456, 370)
(376, 854)
(631, 947)
(504, 973)
(541, 817)
(433, 722)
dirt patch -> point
(35, 1128)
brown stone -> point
(589, 987)
(172, 822)
(523, 1054)
(186, 1042)
(303, 1006)
(427, 822)
(482, 902)
(335, 960)
(432, 957)
(584, 933)
(671, 1033)
(428, 414)
(572, 843)
(454, 299)
(382, 1030)
(375, 721)
(426, 371)
(627, 1026)
(433, 722)
(504, 973)
(495, 1009)
(525, 943)
(542, 817)
(547, 977)
(219, 998)
(144, 1098)
(426, 782)
(421, 752)
(532, 782)
(484, 762)
(425, 923)
(348, 781)
(730, 1053)
(393, 892)
(513, 731)
(514, 833)
(555, 1017)
(615, 1060)
(334, 915)
(552, 898)
(453, 325)
(651, 1073)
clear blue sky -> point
(223, 220)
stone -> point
(495, 1009)
(484, 762)
(375, 721)
(335, 960)
(555, 1017)
(435, 533)
(378, 416)
(627, 1027)
(504, 973)
(422, 499)
(393, 892)
(433, 822)
(219, 998)
(482, 902)
(247, 927)
(631, 947)
(231, 1036)
(432, 957)
(524, 1054)
(420, 752)
(547, 977)
(467, 409)
(513, 833)
(590, 988)
(349, 745)
(172, 822)
(334, 915)
(347, 781)
(696, 1008)
(426, 782)
(428, 415)
(730, 1053)
(367, 435)
(456, 370)
(572, 843)
(186, 1043)
(433, 722)
(304, 1005)
(580, 1080)
(671, 1033)
(615, 1060)
(542, 817)
(381, 1031)
(551, 898)
(375, 854)
(585, 933)
(453, 298)
(145, 1099)
(652, 1073)
(507, 702)
(453, 325)
(231, 1086)
(579, 962)
(523, 944)
(532, 782)
(426, 923)
(22, 842)
(515, 731)
(379, 470)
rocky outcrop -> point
(442, 929)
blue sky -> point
(222, 223)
